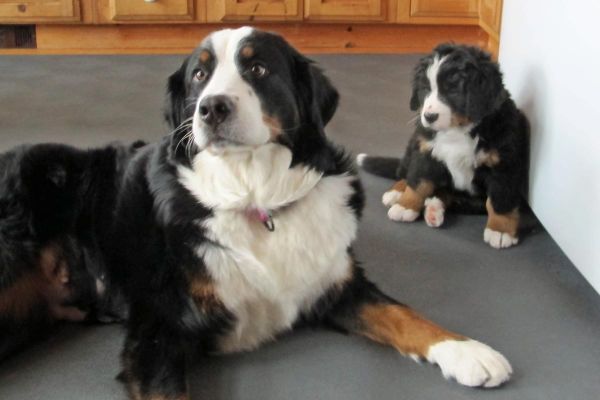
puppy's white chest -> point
(456, 149)
(266, 279)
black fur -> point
(60, 199)
(470, 83)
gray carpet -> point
(529, 302)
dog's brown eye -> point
(201, 75)
(258, 70)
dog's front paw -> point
(499, 240)
(434, 212)
(391, 197)
(399, 213)
(470, 363)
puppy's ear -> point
(320, 97)
(176, 95)
(485, 90)
(419, 83)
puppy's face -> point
(455, 86)
(245, 88)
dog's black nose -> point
(431, 117)
(214, 110)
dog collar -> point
(264, 216)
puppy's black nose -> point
(431, 117)
(214, 110)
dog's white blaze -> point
(248, 126)
(456, 149)
(432, 103)
(266, 279)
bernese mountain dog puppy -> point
(469, 150)
(56, 205)
(239, 225)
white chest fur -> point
(456, 148)
(268, 278)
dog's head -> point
(245, 87)
(456, 85)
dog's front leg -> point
(154, 365)
(364, 310)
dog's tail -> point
(386, 167)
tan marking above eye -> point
(247, 51)
(204, 56)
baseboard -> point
(308, 38)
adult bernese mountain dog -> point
(239, 225)
(469, 150)
(56, 205)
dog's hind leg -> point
(364, 310)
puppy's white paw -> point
(499, 240)
(360, 158)
(470, 362)
(399, 213)
(391, 197)
(434, 212)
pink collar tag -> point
(263, 216)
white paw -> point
(360, 158)
(470, 362)
(434, 212)
(391, 197)
(499, 240)
(399, 213)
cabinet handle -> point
(149, 1)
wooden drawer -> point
(253, 10)
(443, 8)
(151, 10)
(39, 10)
(345, 10)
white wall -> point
(550, 55)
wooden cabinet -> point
(253, 10)
(436, 12)
(489, 14)
(148, 10)
(443, 8)
(39, 10)
(347, 10)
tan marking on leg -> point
(204, 56)
(203, 291)
(414, 199)
(21, 297)
(505, 223)
(274, 126)
(247, 51)
(44, 284)
(163, 397)
(399, 186)
(402, 328)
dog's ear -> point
(419, 83)
(318, 94)
(176, 95)
(484, 90)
